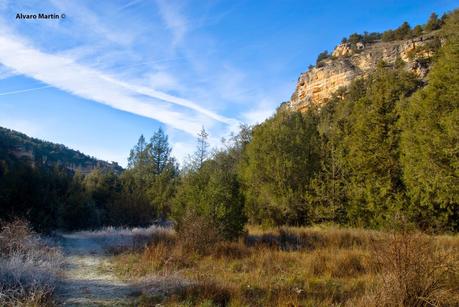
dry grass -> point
(116, 239)
(29, 266)
(414, 270)
(301, 267)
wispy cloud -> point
(84, 18)
(264, 109)
(172, 99)
(129, 4)
(173, 20)
(6, 72)
(25, 90)
(64, 73)
(163, 64)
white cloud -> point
(264, 109)
(24, 90)
(6, 72)
(129, 4)
(170, 98)
(173, 20)
(162, 80)
(85, 18)
(64, 73)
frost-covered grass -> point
(29, 266)
(116, 239)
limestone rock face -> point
(316, 86)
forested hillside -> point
(15, 145)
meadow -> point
(295, 266)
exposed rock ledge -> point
(316, 86)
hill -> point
(15, 146)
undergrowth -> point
(29, 266)
(299, 267)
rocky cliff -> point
(349, 62)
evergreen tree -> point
(213, 191)
(327, 193)
(154, 172)
(140, 159)
(321, 57)
(430, 138)
(202, 150)
(417, 31)
(434, 23)
(159, 151)
(278, 165)
(368, 145)
(403, 32)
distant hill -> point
(18, 146)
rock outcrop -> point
(349, 62)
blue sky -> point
(112, 70)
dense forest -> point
(386, 146)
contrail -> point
(25, 91)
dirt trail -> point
(84, 283)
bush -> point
(322, 56)
(197, 234)
(413, 272)
(434, 23)
(29, 266)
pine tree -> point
(139, 157)
(434, 23)
(365, 138)
(403, 31)
(202, 150)
(278, 165)
(160, 151)
(430, 139)
(213, 192)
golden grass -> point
(315, 266)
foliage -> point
(321, 57)
(406, 32)
(430, 138)
(402, 32)
(212, 190)
(153, 172)
(367, 145)
(279, 162)
(434, 23)
(16, 145)
(365, 38)
(413, 271)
